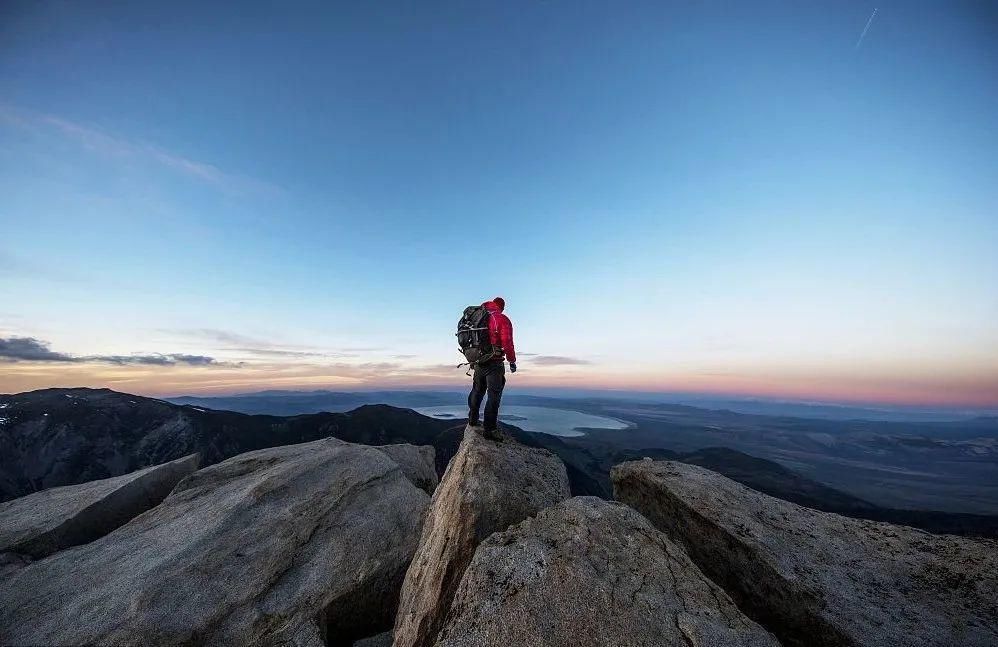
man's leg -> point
(495, 380)
(478, 388)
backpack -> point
(473, 336)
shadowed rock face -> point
(284, 545)
(42, 523)
(816, 578)
(417, 463)
(487, 487)
(588, 572)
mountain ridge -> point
(66, 436)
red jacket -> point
(500, 330)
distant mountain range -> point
(291, 402)
(57, 437)
(911, 460)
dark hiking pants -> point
(489, 378)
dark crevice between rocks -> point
(761, 593)
(362, 613)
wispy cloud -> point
(558, 360)
(112, 145)
(193, 360)
(258, 347)
(276, 352)
(30, 349)
(154, 360)
(223, 337)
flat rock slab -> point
(589, 572)
(487, 487)
(817, 578)
(298, 544)
(42, 523)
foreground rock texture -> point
(288, 545)
(589, 572)
(816, 578)
(45, 522)
(488, 486)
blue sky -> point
(730, 197)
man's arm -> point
(506, 338)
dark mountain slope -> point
(67, 436)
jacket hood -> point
(491, 306)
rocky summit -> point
(589, 572)
(302, 544)
(817, 578)
(487, 487)
(333, 543)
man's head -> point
(499, 301)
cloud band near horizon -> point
(30, 349)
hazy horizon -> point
(763, 200)
(706, 400)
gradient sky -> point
(704, 196)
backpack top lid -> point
(474, 315)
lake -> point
(557, 422)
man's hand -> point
(512, 367)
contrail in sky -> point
(867, 28)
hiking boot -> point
(493, 434)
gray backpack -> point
(473, 336)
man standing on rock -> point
(490, 376)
